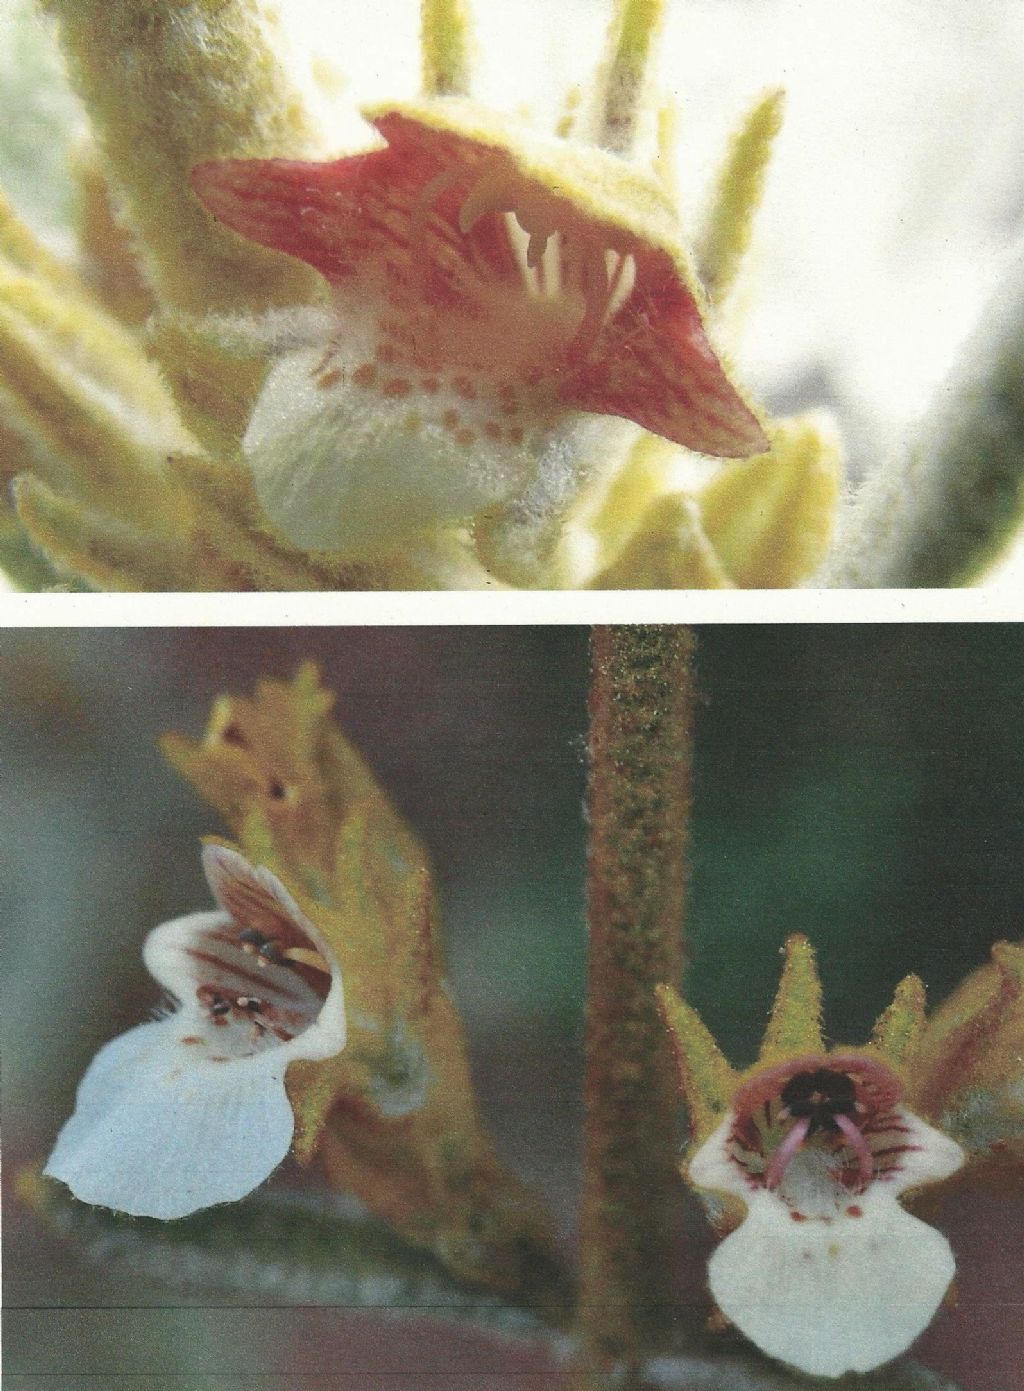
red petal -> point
(653, 364)
(328, 215)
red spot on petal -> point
(365, 375)
(397, 386)
(450, 420)
(329, 379)
(492, 430)
(798, 1217)
(854, 1211)
(465, 437)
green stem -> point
(641, 710)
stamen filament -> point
(857, 1142)
(786, 1151)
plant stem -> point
(641, 711)
(941, 514)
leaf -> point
(287, 1248)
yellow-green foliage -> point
(728, 225)
(669, 550)
(706, 1079)
(169, 84)
(769, 519)
(446, 41)
(898, 1030)
(631, 37)
(794, 1025)
(969, 1067)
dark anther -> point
(219, 1006)
(248, 1003)
(233, 735)
(277, 791)
(266, 948)
(822, 1095)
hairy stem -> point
(641, 711)
(941, 514)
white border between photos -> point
(508, 608)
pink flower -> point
(489, 287)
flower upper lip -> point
(423, 227)
(844, 1107)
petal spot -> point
(397, 386)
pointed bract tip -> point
(1009, 960)
(898, 1029)
(794, 1025)
(706, 1079)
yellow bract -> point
(794, 1025)
(393, 1117)
(707, 1079)
(760, 523)
(445, 40)
(728, 224)
(969, 1066)
(897, 1032)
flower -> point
(489, 287)
(190, 1109)
(806, 1156)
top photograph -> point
(494, 295)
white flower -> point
(827, 1271)
(190, 1109)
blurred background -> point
(895, 196)
(862, 784)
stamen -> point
(856, 1141)
(785, 1152)
(490, 194)
(305, 956)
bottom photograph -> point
(628, 1009)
